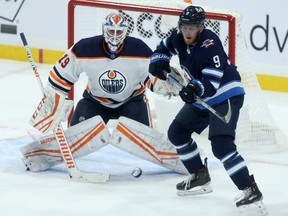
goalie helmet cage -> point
(151, 22)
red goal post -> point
(151, 21)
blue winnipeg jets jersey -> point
(207, 63)
(113, 79)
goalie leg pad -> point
(146, 143)
(83, 139)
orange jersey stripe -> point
(103, 100)
(59, 81)
(141, 90)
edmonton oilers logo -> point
(112, 81)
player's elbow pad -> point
(52, 109)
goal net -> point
(151, 21)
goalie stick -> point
(173, 81)
(65, 150)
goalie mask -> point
(114, 31)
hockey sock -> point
(189, 155)
(237, 170)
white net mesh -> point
(256, 127)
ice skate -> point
(196, 184)
(250, 201)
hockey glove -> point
(52, 109)
(163, 87)
(190, 92)
(159, 63)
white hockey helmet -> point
(114, 31)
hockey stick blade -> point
(225, 118)
(65, 150)
(173, 81)
(90, 177)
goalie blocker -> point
(90, 135)
(52, 109)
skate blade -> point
(254, 209)
(204, 189)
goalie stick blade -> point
(90, 177)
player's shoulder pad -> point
(136, 47)
(89, 47)
(209, 39)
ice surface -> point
(52, 193)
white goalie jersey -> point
(112, 78)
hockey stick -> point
(65, 150)
(173, 81)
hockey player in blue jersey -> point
(212, 78)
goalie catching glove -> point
(163, 87)
(52, 109)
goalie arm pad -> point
(163, 87)
(52, 109)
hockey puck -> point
(137, 172)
